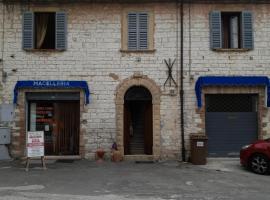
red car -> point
(256, 156)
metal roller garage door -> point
(231, 122)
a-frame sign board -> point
(35, 147)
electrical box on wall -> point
(6, 112)
(4, 135)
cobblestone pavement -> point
(221, 179)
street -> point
(218, 180)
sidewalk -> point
(83, 179)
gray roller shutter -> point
(247, 30)
(60, 30)
(215, 30)
(53, 96)
(28, 31)
(231, 122)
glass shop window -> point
(42, 119)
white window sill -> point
(138, 51)
(232, 50)
(45, 50)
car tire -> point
(259, 164)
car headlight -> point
(246, 146)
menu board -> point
(35, 144)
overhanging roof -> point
(248, 81)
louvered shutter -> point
(28, 30)
(132, 31)
(247, 30)
(215, 30)
(60, 30)
(143, 31)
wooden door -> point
(148, 129)
(68, 128)
(127, 119)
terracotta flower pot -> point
(100, 154)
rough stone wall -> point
(201, 61)
(93, 54)
(1, 49)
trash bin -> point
(198, 149)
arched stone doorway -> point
(138, 121)
(121, 91)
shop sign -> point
(52, 84)
(35, 144)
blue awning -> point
(230, 81)
(52, 84)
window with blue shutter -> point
(215, 30)
(137, 31)
(28, 30)
(132, 31)
(247, 30)
(44, 30)
(231, 30)
(60, 30)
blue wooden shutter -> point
(215, 30)
(60, 30)
(28, 30)
(143, 31)
(247, 30)
(132, 31)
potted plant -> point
(100, 154)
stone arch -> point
(138, 80)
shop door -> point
(231, 122)
(68, 120)
(60, 122)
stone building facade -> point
(97, 54)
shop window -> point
(231, 30)
(60, 122)
(44, 30)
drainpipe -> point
(3, 43)
(181, 83)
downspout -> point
(181, 83)
(3, 43)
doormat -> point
(144, 161)
(65, 160)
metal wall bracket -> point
(170, 78)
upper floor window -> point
(231, 30)
(44, 30)
(137, 31)
(231, 37)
